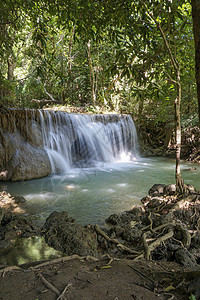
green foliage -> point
(192, 297)
(128, 68)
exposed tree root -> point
(62, 295)
(152, 246)
(179, 204)
(118, 244)
(49, 285)
(147, 252)
(9, 269)
(57, 260)
(186, 237)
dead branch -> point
(43, 101)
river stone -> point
(185, 258)
(19, 199)
(64, 234)
(19, 160)
(156, 190)
(113, 219)
(170, 189)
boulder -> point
(64, 234)
(186, 259)
(170, 189)
(13, 227)
(156, 190)
(20, 160)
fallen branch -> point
(43, 100)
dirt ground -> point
(74, 278)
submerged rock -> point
(64, 234)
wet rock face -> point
(64, 234)
(22, 155)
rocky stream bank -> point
(155, 248)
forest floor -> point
(75, 277)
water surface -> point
(90, 195)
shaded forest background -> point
(102, 56)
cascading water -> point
(75, 140)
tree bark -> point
(196, 31)
(180, 186)
(10, 73)
(92, 73)
(70, 48)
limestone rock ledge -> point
(22, 156)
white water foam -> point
(76, 140)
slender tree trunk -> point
(62, 77)
(92, 73)
(180, 186)
(10, 73)
(70, 49)
(196, 31)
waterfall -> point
(78, 140)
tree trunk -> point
(70, 48)
(62, 78)
(196, 31)
(92, 74)
(180, 186)
(10, 73)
